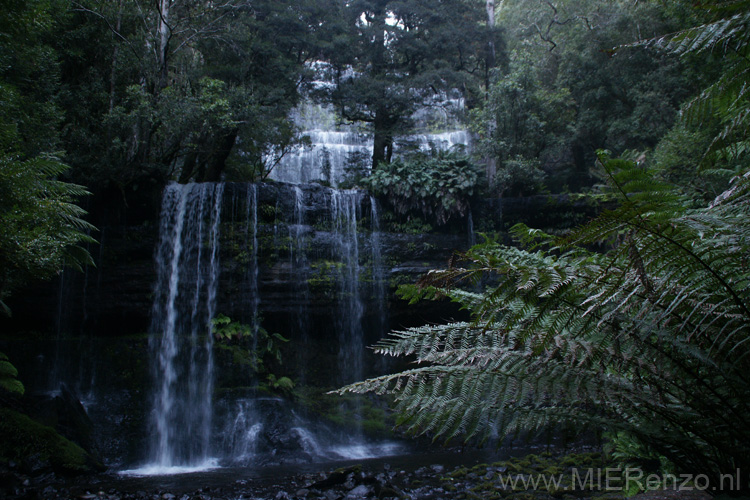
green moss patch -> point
(24, 440)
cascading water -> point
(299, 271)
(251, 218)
(335, 147)
(241, 432)
(379, 284)
(470, 229)
(326, 158)
(344, 212)
(187, 262)
(242, 425)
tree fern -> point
(651, 337)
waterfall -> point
(378, 273)
(325, 159)
(251, 217)
(299, 274)
(344, 212)
(335, 147)
(470, 229)
(243, 427)
(187, 262)
(240, 435)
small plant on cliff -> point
(263, 348)
(226, 330)
(437, 185)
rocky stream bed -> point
(540, 476)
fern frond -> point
(652, 337)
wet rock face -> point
(294, 247)
(302, 257)
(115, 298)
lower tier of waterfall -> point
(195, 422)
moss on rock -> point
(38, 446)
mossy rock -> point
(461, 472)
(352, 469)
(8, 377)
(522, 496)
(26, 441)
(581, 460)
(608, 496)
(484, 487)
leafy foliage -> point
(726, 100)
(438, 185)
(43, 229)
(649, 338)
(520, 121)
(564, 95)
(181, 90)
(282, 384)
(264, 347)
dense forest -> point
(632, 323)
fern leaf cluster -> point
(43, 227)
(651, 337)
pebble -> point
(332, 495)
(360, 491)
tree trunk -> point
(382, 149)
(188, 167)
(490, 162)
(115, 56)
(491, 23)
(382, 140)
(582, 165)
(217, 158)
(491, 55)
(164, 36)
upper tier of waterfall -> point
(336, 147)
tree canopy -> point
(400, 54)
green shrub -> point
(437, 186)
